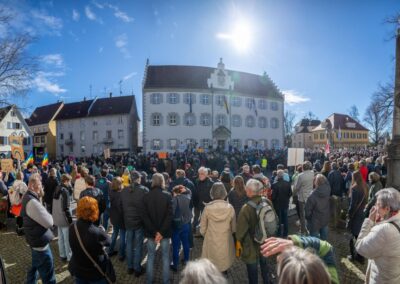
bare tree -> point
(288, 122)
(384, 98)
(353, 113)
(394, 21)
(377, 120)
(16, 66)
(310, 116)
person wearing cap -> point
(132, 208)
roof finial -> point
(221, 64)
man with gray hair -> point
(245, 230)
(37, 227)
(303, 189)
(201, 195)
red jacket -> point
(364, 173)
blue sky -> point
(326, 55)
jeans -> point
(283, 220)
(104, 219)
(151, 251)
(42, 264)
(196, 218)
(82, 281)
(134, 248)
(63, 242)
(178, 237)
(122, 243)
(321, 234)
(252, 271)
(303, 230)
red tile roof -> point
(342, 121)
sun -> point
(241, 36)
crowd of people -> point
(231, 200)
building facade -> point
(342, 131)
(303, 138)
(13, 123)
(202, 107)
(89, 127)
(43, 126)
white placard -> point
(295, 156)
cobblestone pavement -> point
(17, 258)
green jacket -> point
(245, 227)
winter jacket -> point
(49, 188)
(116, 211)
(317, 211)
(201, 193)
(133, 205)
(184, 206)
(375, 187)
(336, 182)
(356, 209)
(236, 201)
(281, 192)
(98, 195)
(126, 180)
(104, 185)
(61, 207)
(380, 243)
(217, 225)
(304, 185)
(157, 214)
(94, 239)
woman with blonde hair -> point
(126, 178)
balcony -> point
(108, 141)
(69, 142)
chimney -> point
(110, 94)
(84, 99)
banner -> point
(7, 165)
(295, 156)
(17, 150)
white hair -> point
(218, 191)
(203, 170)
(254, 185)
(202, 271)
(389, 197)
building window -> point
(236, 143)
(315, 136)
(262, 104)
(94, 122)
(221, 120)
(250, 143)
(156, 98)
(173, 98)
(191, 143)
(274, 106)
(263, 144)
(120, 134)
(120, 120)
(83, 149)
(236, 120)
(249, 103)
(205, 119)
(61, 136)
(275, 143)
(13, 113)
(189, 98)
(236, 101)
(274, 123)
(189, 119)
(205, 143)
(26, 141)
(82, 135)
(321, 136)
(205, 99)
(156, 144)
(37, 139)
(262, 122)
(156, 119)
(250, 121)
(61, 148)
(173, 144)
(219, 100)
(43, 139)
(3, 140)
(82, 122)
(109, 134)
(71, 136)
(95, 136)
(173, 119)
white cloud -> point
(43, 83)
(53, 59)
(121, 43)
(123, 16)
(51, 22)
(75, 15)
(98, 5)
(130, 75)
(293, 97)
(89, 14)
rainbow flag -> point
(45, 161)
(29, 159)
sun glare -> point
(241, 36)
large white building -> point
(192, 106)
(88, 127)
(13, 123)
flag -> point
(254, 106)
(327, 148)
(45, 161)
(339, 135)
(29, 159)
(226, 105)
(190, 103)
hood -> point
(218, 210)
(324, 190)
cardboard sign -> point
(107, 153)
(295, 156)
(17, 150)
(7, 165)
(162, 155)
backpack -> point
(267, 220)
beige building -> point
(303, 137)
(342, 132)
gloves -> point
(238, 247)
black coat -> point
(281, 192)
(94, 239)
(317, 208)
(201, 194)
(49, 188)
(133, 206)
(157, 214)
(336, 182)
(356, 210)
(116, 212)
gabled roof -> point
(308, 122)
(195, 77)
(111, 106)
(74, 110)
(4, 111)
(342, 121)
(43, 114)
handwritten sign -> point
(7, 165)
(295, 156)
(162, 155)
(107, 153)
(17, 150)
